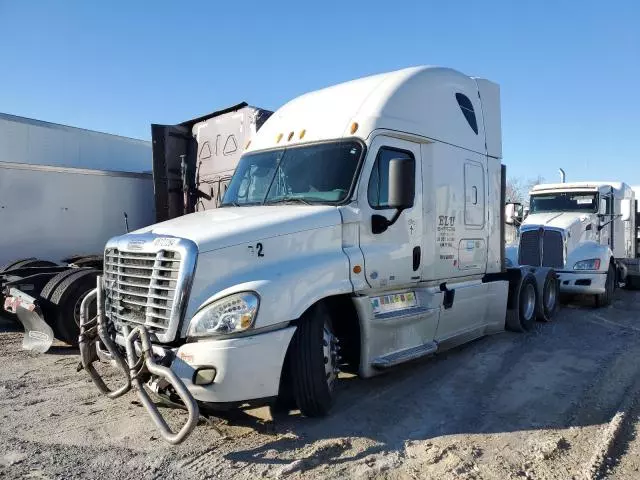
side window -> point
(467, 109)
(379, 180)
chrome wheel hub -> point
(550, 295)
(330, 350)
(529, 301)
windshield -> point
(320, 173)
(564, 202)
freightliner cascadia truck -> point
(362, 228)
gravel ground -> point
(558, 402)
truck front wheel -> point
(605, 299)
(314, 362)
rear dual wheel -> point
(522, 317)
(65, 292)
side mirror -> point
(402, 183)
(512, 213)
(626, 209)
(400, 193)
(602, 210)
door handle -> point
(475, 195)
(416, 258)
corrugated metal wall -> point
(24, 140)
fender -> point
(588, 250)
(286, 287)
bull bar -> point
(140, 361)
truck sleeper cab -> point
(361, 228)
(586, 231)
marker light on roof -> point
(354, 127)
(302, 132)
(278, 138)
(290, 136)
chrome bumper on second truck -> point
(140, 362)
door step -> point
(396, 358)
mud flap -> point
(38, 335)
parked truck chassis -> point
(46, 297)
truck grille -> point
(529, 252)
(541, 248)
(552, 249)
(140, 288)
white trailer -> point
(362, 228)
(52, 213)
(63, 192)
(585, 230)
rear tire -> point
(550, 297)
(522, 317)
(314, 363)
(65, 304)
(56, 280)
(605, 299)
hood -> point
(563, 220)
(225, 227)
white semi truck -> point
(586, 231)
(362, 228)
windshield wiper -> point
(288, 199)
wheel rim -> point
(550, 295)
(529, 304)
(330, 352)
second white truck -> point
(586, 231)
(362, 228)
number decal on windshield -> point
(259, 248)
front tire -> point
(314, 363)
(605, 299)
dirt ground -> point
(558, 402)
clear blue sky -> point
(569, 70)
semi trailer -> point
(58, 215)
(586, 231)
(363, 228)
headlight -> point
(591, 264)
(231, 314)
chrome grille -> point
(529, 252)
(141, 288)
(552, 249)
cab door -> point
(394, 257)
